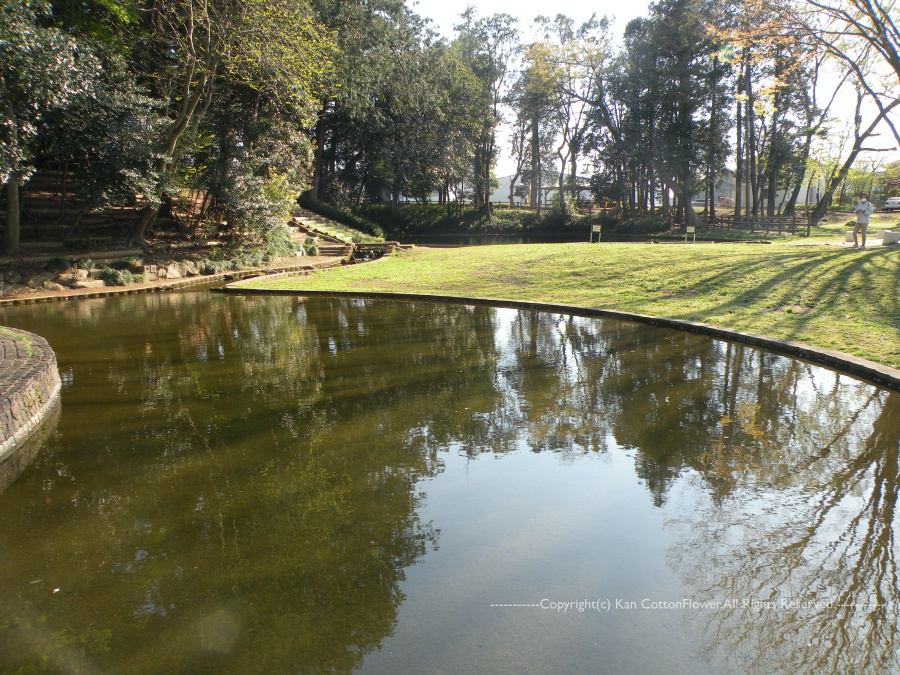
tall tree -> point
(196, 46)
(534, 98)
(489, 45)
(862, 35)
(681, 50)
(580, 56)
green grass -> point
(800, 289)
(20, 338)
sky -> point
(445, 14)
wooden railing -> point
(583, 208)
(780, 224)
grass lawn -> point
(811, 290)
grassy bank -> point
(823, 295)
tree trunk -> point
(11, 231)
(711, 169)
(790, 208)
(562, 184)
(775, 159)
(574, 175)
(168, 159)
(536, 163)
(751, 144)
(395, 200)
(318, 155)
(739, 151)
(512, 185)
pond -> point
(275, 484)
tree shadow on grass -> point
(851, 273)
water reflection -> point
(238, 483)
(16, 460)
(811, 544)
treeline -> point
(245, 103)
(698, 84)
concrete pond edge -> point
(29, 387)
(875, 373)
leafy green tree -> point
(580, 57)
(658, 113)
(488, 45)
(534, 98)
(108, 133)
(250, 161)
(196, 48)
(350, 111)
(889, 180)
(40, 69)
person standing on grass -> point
(863, 211)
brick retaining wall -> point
(29, 387)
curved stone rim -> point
(29, 386)
(874, 373)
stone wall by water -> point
(29, 392)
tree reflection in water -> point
(235, 483)
(809, 541)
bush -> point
(642, 225)
(279, 244)
(116, 277)
(450, 219)
(208, 266)
(84, 263)
(58, 264)
(248, 259)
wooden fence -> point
(780, 224)
(583, 208)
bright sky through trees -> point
(445, 14)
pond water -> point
(275, 484)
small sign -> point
(690, 229)
(596, 228)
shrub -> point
(279, 244)
(84, 263)
(311, 246)
(642, 225)
(247, 259)
(116, 277)
(58, 264)
(208, 266)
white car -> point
(892, 204)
